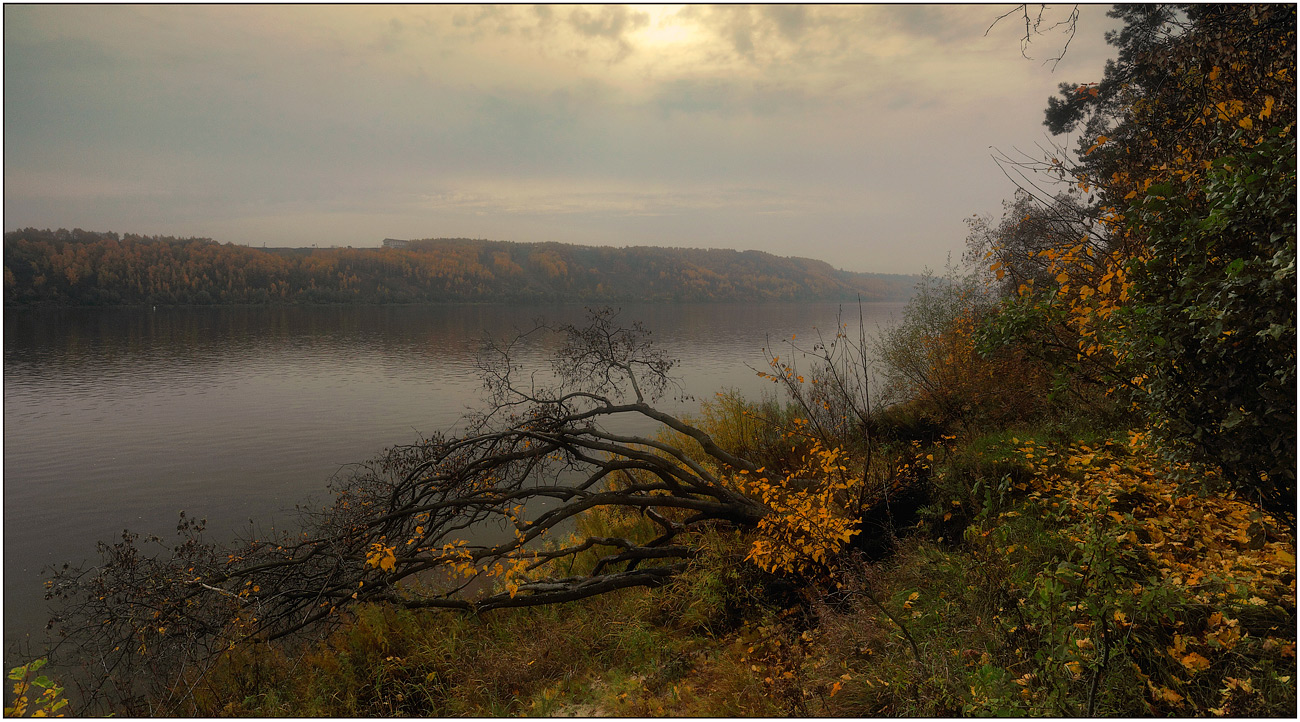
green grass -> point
(631, 652)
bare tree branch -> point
(1034, 27)
(484, 520)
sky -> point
(861, 135)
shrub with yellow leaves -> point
(1158, 584)
(808, 524)
(34, 695)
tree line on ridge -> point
(82, 268)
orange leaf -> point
(1195, 662)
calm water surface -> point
(121, 418)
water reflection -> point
(118, 418)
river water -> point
(120, 418)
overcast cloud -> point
(860, 135)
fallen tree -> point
(474, 522)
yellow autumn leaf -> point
(1268, 107)
(1195, 662)
(1243, 685)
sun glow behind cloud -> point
(665, 32)
(856, 134)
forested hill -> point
(79, 268)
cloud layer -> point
(860, 135)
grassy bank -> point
(1045, 576)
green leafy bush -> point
(1214, 321)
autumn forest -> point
(80, 268)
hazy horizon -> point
(861, 136)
